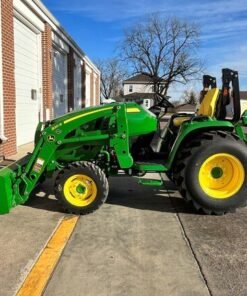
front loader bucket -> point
(6, 190)
(10, 172)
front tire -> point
(81, 188)
(213, 174)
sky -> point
(98, 25)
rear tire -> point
(213, 173)
(81, 188)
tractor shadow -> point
(43, 198)
(124, 191)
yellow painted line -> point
(41, 272)
(86, 114)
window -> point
(152, 88)
(130, 88)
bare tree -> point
(112, 75)
(190, 97)
(163, 49)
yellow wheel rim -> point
(80, 190)
(221, 176)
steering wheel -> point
(162, 103)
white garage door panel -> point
(24, 85)
(27, 77)
(24, 47)
(26, 62)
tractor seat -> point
(163, 139)
(207, 107)
(178, 121)
(209, 103)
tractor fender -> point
(191, 130)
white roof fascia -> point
(45, 14)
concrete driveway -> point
(24, 233)
(219, 244)
(134, 245)
(143, 241)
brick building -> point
(43, 72)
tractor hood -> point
(140, 121)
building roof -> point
(138, 96)
(243, 95)
(134, 96)
(186, 108)
(43, 12)
(140, 78)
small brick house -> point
(43, 72)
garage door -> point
(77, 84)
(60, 97)
(27, 80)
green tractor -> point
(204, 153)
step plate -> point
(149, 167)
(150, 182)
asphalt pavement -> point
(219, 244)
(143, 241)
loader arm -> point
(51, 140)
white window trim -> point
(59, 43)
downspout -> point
(2, 137)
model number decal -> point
(37, 167)
(56, 126)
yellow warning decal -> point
(133, 110)
(86, 114)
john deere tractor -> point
(203, 153)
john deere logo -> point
(51, 138)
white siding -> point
(148, 103)
(77, 83)
(138, 88)
(27, 78)
(243, 105)
(60, 94)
